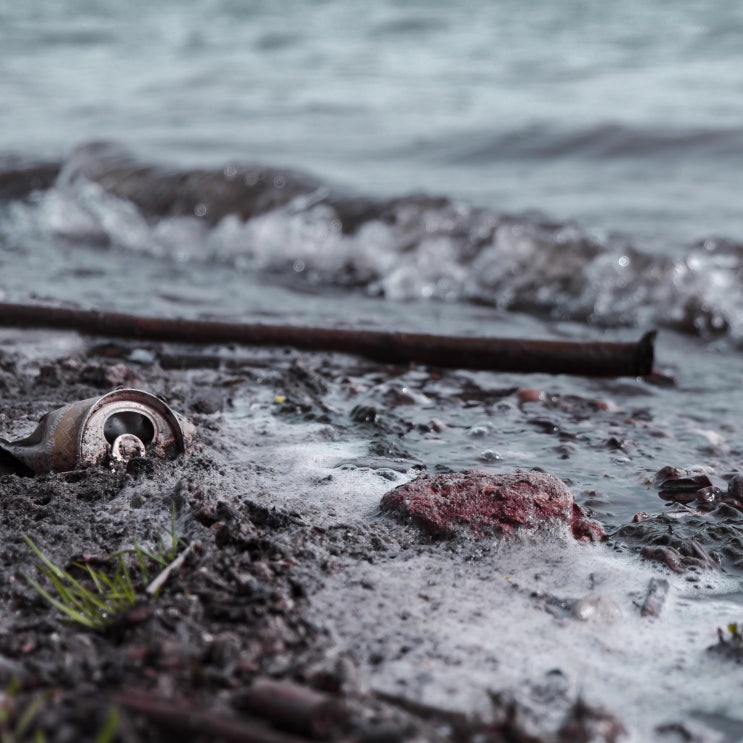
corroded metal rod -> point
(590, 359)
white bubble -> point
(200, 210)
(299, 266)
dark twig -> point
(186, 718)
(655, 597)
(592, 359)
(295, 708)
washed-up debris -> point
(679, 562)
(590, 359)
(295, 708)
(117, 427)
(680, 485)
(729, 644)
(695, 489)
(686, 539)
(655, 598)
(484, 503)
(186, 717)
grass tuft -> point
(92, 607)
(98, 601)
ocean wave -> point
(604, 141)
(294, 229)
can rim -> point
(140, 401)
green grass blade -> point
(140, 555)
(79, 597)
(28, 716)
(107, 733)
(95, 576)
(77, 616)
(44, 559)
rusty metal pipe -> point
(588, 358)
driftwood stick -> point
(162, 578)
(591, 359)
(655, 597)
(186, 718)
(295, 708)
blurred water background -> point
(625, 117)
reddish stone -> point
(486, 503)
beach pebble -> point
(484, 503)
(531, 395)
(596, 608)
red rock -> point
(487, 503)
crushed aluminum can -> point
(118, 426)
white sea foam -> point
(545, 619)
(453, 630)
(296, 467)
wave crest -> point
(297, 230)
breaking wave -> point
(295, 229)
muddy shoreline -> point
(247, 604)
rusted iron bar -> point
(186, 718)
(589, 358)
(295, 708)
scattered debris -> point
(156, 585)
(680, 485)
(590, 723)
(189, 718)
(729, 645)
(655, 598)
(295, 708)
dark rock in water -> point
(487, 503)
(735, 487)
(680, 485)
(686, 539)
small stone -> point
(596, 608)
(485, 503)
(671, 480)
(530, 395)
(735, 487)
